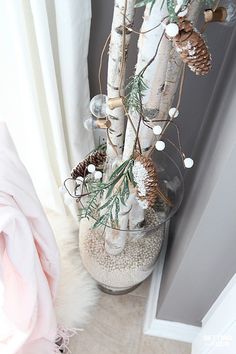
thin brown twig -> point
(111, 143)
(133, 126)
(179, 151)
(153, 58)
(101, 63)
(147, 31)
(176, 127)
(178, 101)
(139, 123)
(141, 116)
(123, 49)
(169, 121)
(100, 87)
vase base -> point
(117, 291)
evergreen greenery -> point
(136, 88)
(114, 193)
(171, 6)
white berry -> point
(160, 145)
(173, 112)
(98, 175)
(91, 168)
(157, 129)
(188, 162)
(172, 30)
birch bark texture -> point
(174, 69)
(161, 77)
(120, 36)
(147, 46)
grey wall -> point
(201, 256)
(196, 97)
(102, 12)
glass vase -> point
(122, 272)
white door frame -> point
(161, 328)
(218, 332)
(212, 331)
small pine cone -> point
(97, 158)
(145, 175)
(192, 48)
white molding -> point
(173, 330)
(154, 290)
(221, 298)
(168, 329)
(161, 328)
(218, 332)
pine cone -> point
(145, 175)
(192, 48)
(96, 158)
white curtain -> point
(44, 93)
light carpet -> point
(78, 292)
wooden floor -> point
(116, 328)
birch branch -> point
(120, 37)
(173, 72)
(147, 45)
(115, 239)
(122, 17)
(161, 77)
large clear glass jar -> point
(124, 271)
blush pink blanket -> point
(29, 261)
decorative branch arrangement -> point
(118, 181)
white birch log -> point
(115, 240)
(173, 72)
(161, 77)
(147, 45)
(116, 74)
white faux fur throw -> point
(77, 291)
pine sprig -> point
(116, 192)
(171, 10)
(171, 6)
(95, 190)
(136, 89)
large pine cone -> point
(97, 158)
(145, 175)
(192, 48)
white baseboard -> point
(173, 330)
(161, 328)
